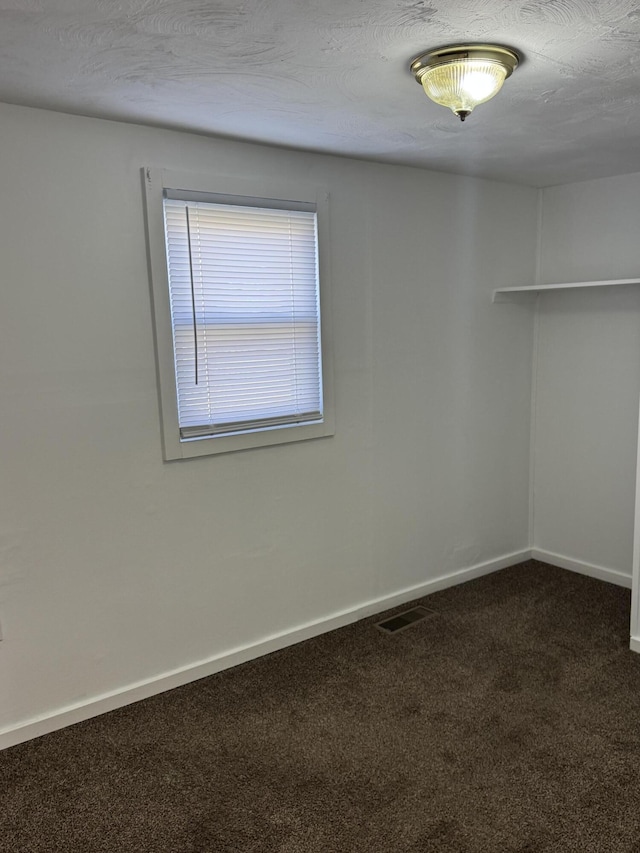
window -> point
(242, 353)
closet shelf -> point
(529, 294)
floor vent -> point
(404, 620)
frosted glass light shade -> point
(463, 85)
(462, 76)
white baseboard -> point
(192, 672)
(634, 644)
(599, 572)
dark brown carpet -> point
(509, 721)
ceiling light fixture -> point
(462, 76)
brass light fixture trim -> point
(461, 76)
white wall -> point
(451, 372)
(588, 375)
(115, 567)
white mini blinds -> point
(244, 300)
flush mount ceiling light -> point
(462, 76)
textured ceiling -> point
(332, 75)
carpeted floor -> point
(509, 722)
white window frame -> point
(156, 181)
